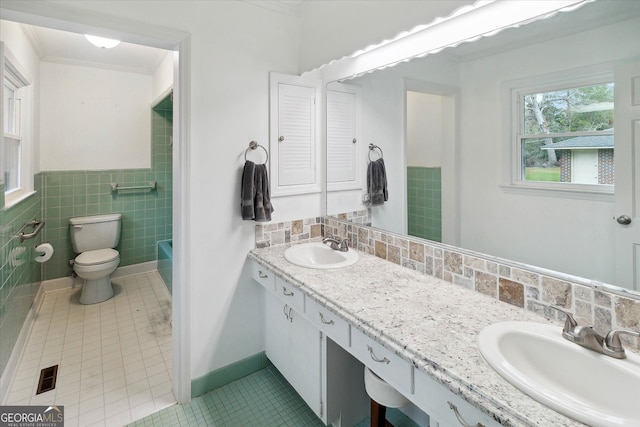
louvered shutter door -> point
(296, 135)
(341, 133)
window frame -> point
(514, 93)
(14, 73)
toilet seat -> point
(99, 256)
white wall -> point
(94, 118)
(424, 129)
(163, 77)
(569, 235)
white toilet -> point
(94, 238)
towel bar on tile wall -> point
(37, 226)
(150, 187)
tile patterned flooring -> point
(262, 399)
(115, 368)
(114, 357)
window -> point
(16, 96)
(12, 140)
(565, 136)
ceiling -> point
(61, 46)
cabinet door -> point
(294, 145)
(294, 346)
(343, 164)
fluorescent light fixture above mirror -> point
(102, 42)
(482, 19)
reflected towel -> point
(256, 200)
(377, 183)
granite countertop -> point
(431, 323)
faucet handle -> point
(570, 322)
(612, 340)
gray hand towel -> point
(377, 182)
(248, 189)
(255, 198)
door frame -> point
(450, 158)
(70, 19)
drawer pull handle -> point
(461, 420)
(290, 314)
(284, 310)
(376, 359)
(262, 275)
(286, 292)
(326, 322)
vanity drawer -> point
(328, 322)
(290, 295)
(384, 362)
(444, 406)
(264, 276)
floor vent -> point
(47, 379)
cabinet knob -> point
(280, 139)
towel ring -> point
(374, 147)
(252, 146)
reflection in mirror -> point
(447, 128)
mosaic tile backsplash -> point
(514, 283)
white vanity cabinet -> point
(294, 346)
(321, 371)
(446, 408)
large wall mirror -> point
(444, 125)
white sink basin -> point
(595, 389)
(318, 255)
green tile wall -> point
(424, 199)
(18, 283)
(146, 216)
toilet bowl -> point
(94, 238)
(96, 268)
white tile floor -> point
(114, 357)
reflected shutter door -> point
(341, 134)
(296, 135)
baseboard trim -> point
(228, 374)
(128, 270)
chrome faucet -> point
(587, 337)
(341, 245)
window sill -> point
(565, 191)
(13, 199)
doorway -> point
(178, 42)
(431, 164)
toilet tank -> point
(89, 233)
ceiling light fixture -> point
(102, 42)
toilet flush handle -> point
(77, 226)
